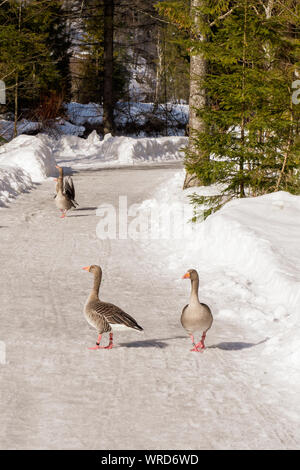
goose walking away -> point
(103, 316)
(196, 316)
(65, 193)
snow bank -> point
(13, 181)
(30, 153)
(60, 126)
(128, 112)
(93, 153)
(80, 114)
(23, 127)
(65, 127)
(24, 160)
(248, 258)
(92, 114)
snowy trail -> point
(150, 392)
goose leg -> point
(195, 345)
(201, 344)
(110, 341)
(98, 344)
(63, 213)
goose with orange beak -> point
(65, 193)
(103, 316)
(196, 316)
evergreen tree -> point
(248, 143)
(92, 58)
(172, 82)
(51, 22)
(33, 52)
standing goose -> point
(65, 197)
(196, 316)
(103, 316)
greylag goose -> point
(103, 316)
(65, 193)
(196, 316)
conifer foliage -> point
(248, 142)
(34, 57)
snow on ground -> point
(78, 115)
(23, 127)
(249, 255)
(127, 112)
(23, 161)
(149, 391)
(81, 114)
(13, 181)
(33, 158)
(93, 153)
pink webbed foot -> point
(200, 346)
(97, 344)
(197, 349)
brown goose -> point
(65, 197)
(103, 316)
(196, 316)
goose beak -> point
(56, 166)
(186, 276)
(55, 179)
(86, 268)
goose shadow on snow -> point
(160, 343)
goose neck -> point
(96, 285)
(194, 289)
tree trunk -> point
(158, 67)
(108, 98)
(16, 93)
(16, 110)
(198, 68)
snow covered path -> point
(150, 392)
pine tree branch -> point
(8, 74)
(223, 16)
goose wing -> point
(115, 315)
(96, 318)
(69, 189)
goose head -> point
(191, 274)
(94, 269)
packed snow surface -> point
(150, 391)
(242, 392)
